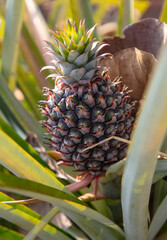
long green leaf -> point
(158, 220)
(23, 208)
(41, 224)
(128, 12)
(36, 25)
(121, 19)
(33, 57)
(10, 117)
(32, 94)
(22, 143)
(18, 113)
(69, 207)
(14, 18)
(83, 10)
(8, 234)
(76, 232)
(94, 229)
(164, 146)
(27, 222)
(55, 14)
(163, 17)
(142, 158)
(76, 11)
(17, 160)
(73, 230)
(34, 187)
(158, 194)
(33, 215)
(160, 171)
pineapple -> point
(84, 107)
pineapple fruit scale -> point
(85, 106)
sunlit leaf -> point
(24, 165)
(36, 25)
(8, 234)
(85, 12)
(70, 208)
(18, 116)
(72, 230)
(41, 224)
(22, 143)
(13, 23)
(164, 12)
(27, 222)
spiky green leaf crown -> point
(74, 54)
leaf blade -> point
(24, 165)
(142, 157)
(41, 224)
(26, 222)
(14, 19)
(62, 200)
(159, 219)
(20, 118)
(8, 234)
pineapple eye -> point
(93, 164)
(98, 153)
(71, 116)
(76, 157)
(62, 105)
(119, 113)
(89, 139)
(68, 141)
(62, 125)
(97, 99)
(121, 127)
(84, 123)
(97, 111)
(74, 133)
(103, 89)
(109, 101)
(109, 115)
(110, 129)
(97, 127)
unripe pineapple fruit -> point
(84, 107)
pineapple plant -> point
(139, 199)
(85, 106)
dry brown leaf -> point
(148, 35)
(134, 66)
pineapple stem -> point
(74, 187)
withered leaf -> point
(133, 66)
(148, 35)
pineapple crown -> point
(74, 54)
(72, 38)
